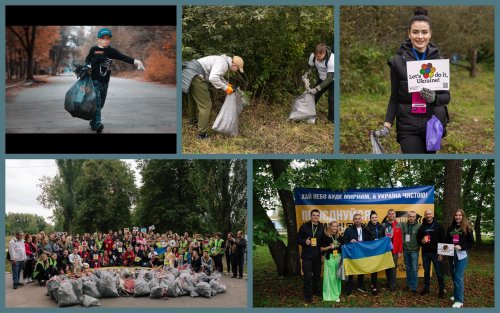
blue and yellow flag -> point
(367, 257)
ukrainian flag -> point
(367, 257)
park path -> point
(131, 107)
(33, 296)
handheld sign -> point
(430, 74)
(445, 249)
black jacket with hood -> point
(399, 106)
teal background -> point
(337, 32)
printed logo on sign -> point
(427, 70)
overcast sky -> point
(22, 178)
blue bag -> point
(80, 100)
(434, 134)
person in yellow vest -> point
(218, 252)
(53, 265)
(41, 272)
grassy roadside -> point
(264, 129)
(471, 110)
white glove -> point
(139, 65)
(314, 90)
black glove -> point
(384, 132)
(428, 95)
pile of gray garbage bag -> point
(87, 289)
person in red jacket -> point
(108, 243)
(128, 257)
(394, 231)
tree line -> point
(178, 195)
(467, 184)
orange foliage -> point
(160, 68)
(46, 37)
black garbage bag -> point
(80, 100)
(156, 292)
(227, 121)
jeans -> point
(427, 258)
(330, 89)
(101, 91)
(411, 265)
(312, 273)
(457, 269)
(16, 272)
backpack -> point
(327, 58)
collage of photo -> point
(249, 156)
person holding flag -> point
(356, 233)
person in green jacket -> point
(41, 272)
(411, 249)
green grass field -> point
(273, 291)
(264, 129)
(471, 109)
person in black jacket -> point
(308, 237)
(429, 235)
(412, 127)
(354, 234)
(376, 231)
(459, 234)
(99, 61)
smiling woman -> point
(413, 110)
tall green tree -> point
(106, 195)
(28, 223)
(60, 192)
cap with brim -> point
(239, 62)
(103, 32)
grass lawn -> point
(273, 291)
(471, 109)
(264, 129)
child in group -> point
(153, 256)
(99, 60)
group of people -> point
(321, 242)
(40, 257)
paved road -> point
(131, 107)
(32, 295)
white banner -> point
(430, 74)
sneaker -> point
(374, 291)
(457, 305)
(14, 287)
(338, 300)
(414, 292)
(20, 284)
(363, 290)
(452, 298)
(241, 277)
(233, 276)
(98, 128)
(424, 292)
(202, 136)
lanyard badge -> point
(418, 104)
